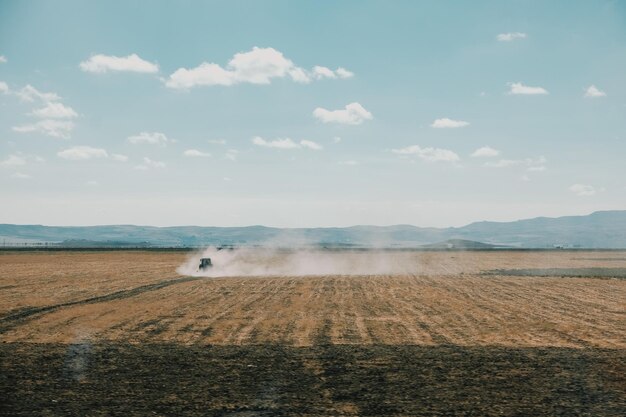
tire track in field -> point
(18, 317)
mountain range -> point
(601, 229)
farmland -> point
(464, 333)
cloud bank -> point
(257, 66)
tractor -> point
(205, 263)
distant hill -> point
(460, 244)
(602, 229)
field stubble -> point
(135, 297)
(120, 333)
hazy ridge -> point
(602, 229)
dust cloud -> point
(296, 262)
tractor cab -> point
(205, 263)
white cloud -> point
(13, 161)
(508, 37)
(503, 163)
(285, 143)
(152, 163)
(30, 94)
(531, 164)
(20, 159)
(257, 66)
(204, 74)
(582, 189)
(519, 88)
(149, 163)
(119, 157)
(310, 145)
(101, 64)
(54, 110)
(323, 72)
(429, 154)
(231, 154)
(20, 175)
(3, 59)
(149, 138)
(320, 72)
(55, 128)
(446, 123)
(536, 164)
(593, 92)
(276, 143)
(196, 153)
(336, 139)
(217, 141)
(485, 152)
(299, 75)
(344, 73)
(81, 153)
(352, 114)
(4, 87)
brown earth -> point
(94, 333)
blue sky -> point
(309, 113)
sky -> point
(310, 113)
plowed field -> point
(455, 333)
